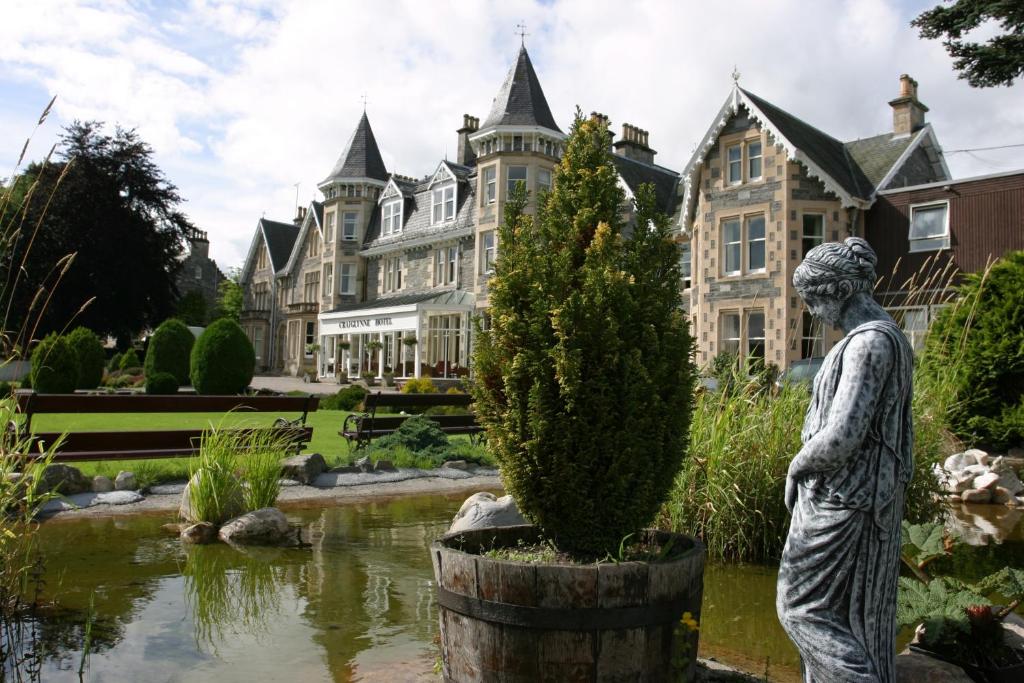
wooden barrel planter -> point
(503, 620)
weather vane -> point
(521, 31)
(363, 98)
(735, 74)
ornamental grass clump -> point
(584, 380)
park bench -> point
(361, 428)
(140, 445)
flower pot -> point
(982, 669)
(507, 620)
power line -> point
(981, 149)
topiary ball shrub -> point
(223, 360)
(346, 399)
(129, 359)
(170, 350)
(161, 383)
(91, 357)
(114, 363)
(54, 366)
(974, 353)
(588, 338)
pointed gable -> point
(521, 101)
(361, 156)
(280, 238)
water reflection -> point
(984, 524)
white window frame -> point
(510, 182)
(812, 335)
(751, 242)
(723, 340)
(738, 243)
(329, 228)
(346, 278)
(393, 274)
(442, 204)
(934, 242)
(749, 340)
(488, 252)
(750, 158)
(490, 184)
(543, 186)
(729, 163)
(392, 213)
(309, 338)
(804, 235)
(686, 265)
(328, 279)
(349, 219)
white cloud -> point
(243, 99)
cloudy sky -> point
(242, 99)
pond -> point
(358, 605)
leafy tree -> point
(54, 366)
(91, 357)
(169, 350)
(192, 309)
(118, 214)
(223, 360)
(975, 351)
(587, 336)
(999, 60)
(229, 297)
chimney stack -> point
(634, 144)
(199, 244)
(465, 154)
(604, 121)
(907, 110)
(300, 215)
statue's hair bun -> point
(862, 250)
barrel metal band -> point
(561, 619)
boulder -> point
(455, 465)
(385, 466)
(199, 534)
(976, 496)
(1009, 480)
(101, 484)
(125, 481)
(364, 464)
(977, 453)
(174, 528)
(266, 526)
(914, 667)
(986, 481)
(185, 511)
(63, 479)
(958, 482)
(303, 468)
(483, 510)
(345, 469)
(958, 461)
(977, 469)
(1001, 496)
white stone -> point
(958, 461)
(101, 484)
(125, 481)
(266, 526)
(976, 453)
(977, 469)
(1009, 480)
(986, 481)
(484, 510)
(976, 496)
(958, 482)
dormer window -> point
(443, 204)
(392, 217)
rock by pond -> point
(187, 512)
(303, 468)
(63, 479)
(199, 533)
(483, 510)
(125, 481)
(266, 526)
(101, 484)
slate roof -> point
(318, 207)
(876, 155)
(280, 239)
(829, 154)
(444, 297)
(521, 101)
(635, 173)
(361, 156)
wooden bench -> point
(361, 428)
(140, 445)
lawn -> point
(325, 423)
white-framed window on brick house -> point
(347, 278)
(443, 204)
(329, 228)
(755, 334)
(686, 265)
(812, 339)
(328, 279)
(813, 231)
(734, 164)
(543, 180)
(392, 213)
(488, 251)
(310, 338)
(446, 265)
(755, 244)
(516, 175)
(732, 246)
(348, 225)
(929, 226)
(743, 245)
(729, 332)
(392, 274)
(754, 171)
(490, 184)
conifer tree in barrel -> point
(584, 381)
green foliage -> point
(170, 348)
(587, 340)
(1000, 59)
(191, 309)
(129, 360)
(420, 385)
(975, 353)
(418, 434)
(115, 362)
(923, 543)
(161, 383)
(346, 399)
(941, 605)
(223, 359)
(91, 357)
(54, 366)
(229, 297)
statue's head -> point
(832, 273)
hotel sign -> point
(368, 324)
(364, 323)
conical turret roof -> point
(361, 156)
(521, 101)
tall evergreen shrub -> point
(91, 357)
(584, 381)
(54, 366)
(223, 360)
(170, 349)
(975, 352)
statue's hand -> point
(791, 493)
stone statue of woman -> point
(845, 489)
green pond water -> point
(356, 606)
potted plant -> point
(410, 341)
(370, 378)
(584, 385)
(956, 621)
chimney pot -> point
(907, 111)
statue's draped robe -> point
(839, 570)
